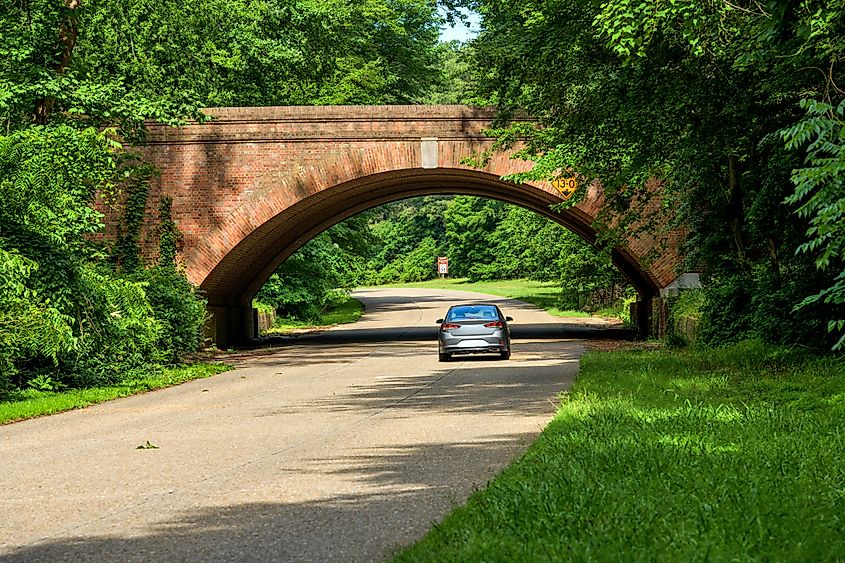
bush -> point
(177, 307)
(116, 328)
(726, 313)
(416, 265)
(313, 279)
(29, 328)
(761, 305)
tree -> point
(693, 94)
(79, 79)
(469, 220)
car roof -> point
(474, 305)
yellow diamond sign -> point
(566, 186)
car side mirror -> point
(508, 318)
(439, 321)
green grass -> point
(29, 403)
(347, 312)
(724, 455)
(545, 295)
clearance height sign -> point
(566, 186)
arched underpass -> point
(254, 185)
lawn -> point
(29, 403)
(545, 295)
(735, 454)
(348, 311)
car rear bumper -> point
(478, 345)
(488, 350)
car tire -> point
(444, 357)
(505, 354)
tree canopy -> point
(484, 239)
(78, 81)
(705, 97)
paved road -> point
(330, 448)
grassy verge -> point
(545, 295)
(29, 403)
(733, 454)
(347, 312)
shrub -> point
(726, 311)
(416, 265)
(116, 328)
(177, 307)
(28, 327)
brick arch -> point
(254, 184)
(243, 269)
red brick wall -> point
(251, 186)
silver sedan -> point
(474, 329)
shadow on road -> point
(397, 334)
(474, 384)
(405, 493)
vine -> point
(169, 236)
(127, 247)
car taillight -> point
(496, 324)
(449, 326)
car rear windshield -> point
(472, 313)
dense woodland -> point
(737, 108)
(484, 239)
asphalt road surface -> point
(343, 446)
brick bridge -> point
(255, 184)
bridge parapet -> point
(330, 124)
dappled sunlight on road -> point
(334, 446)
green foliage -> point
(700, 97)
(315, 277)
(484, 240)
(48, 177)
(671, 456)
(169, 237)
(820, 191)
(468, 221)
(347, 310)
(127, 250)
(684, 317)
(518, 243)
(117, 329)
(75, 77)
(385, 52)
(397, 229)
(50, 71)
(164, 60)
(417, 265)
(29, 327)
(457, 77)
(178, 309)
(545, 295)
(64, 317)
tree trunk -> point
(68, 31)
(736, 213)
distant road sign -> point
(442, 265)
(566, 186)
